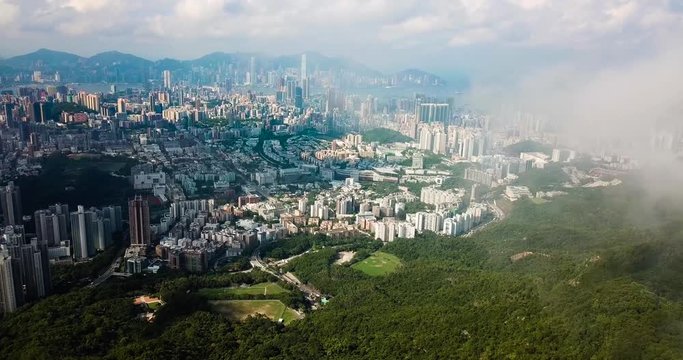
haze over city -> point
(487, 37)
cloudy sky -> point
(439, 35)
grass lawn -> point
(268, 288)
(242, 309)
(378, 264)
(548, 178)
(539, 201)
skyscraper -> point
(138, 213)
(83, 233)
(152, 102)
(345, 206)
(426, 139)
(113, 213)
(439, 143)
(305, 85)
(38, 113)
(92, 229)
(10, 201)
(430, 112)
(30, 271)
(52, 225)
(121, 105)
(8, 300)
(304, 73)
(9, 115)
(290, 89)
(167, 79)
(298, 98)
(252, 71)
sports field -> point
(268, 288)
(242, 309)
(378, 264)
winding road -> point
(312, 293)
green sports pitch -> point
(242, 309)
(266, 289)
(378, 264)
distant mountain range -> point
(114, 66)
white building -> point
(420, 221)
(389, 231)
(433, 222)
(439, 143)
(437, 197)
(450, 227)
(265, 178)
(514, 193)
(303, 202)
(147, 181)
(539, 160)
(425, 139)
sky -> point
(491, 38)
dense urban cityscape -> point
(205, 171)
(244, 205)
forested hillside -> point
(597, 273)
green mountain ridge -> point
(67, 63)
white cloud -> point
(620, 14)
(472, 36)
(347, 27)
(530, 4)
(413, 26)
(85, 6)
(8, 12)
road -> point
(498, 216)
(110, 270)
(287, 260)
(312, 293)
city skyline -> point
(298, 60)
(436, 35)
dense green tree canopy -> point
(597, 273)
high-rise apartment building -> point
(430, 113)
(92, 229)
(10, 201)
(299, 98)
(433, 222)
(344, 206)
(140, 231)
(8, 299)
(252, 71)
(426, 139)
(306, 87)
(304, 71)
(167, 80)
(121, 105)
(83, 232)
(52, 224)
(92, 102)
(24, 269)
(439, 143)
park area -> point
(378, 264)
(88, 180)
(241, 309)
(268, 288)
